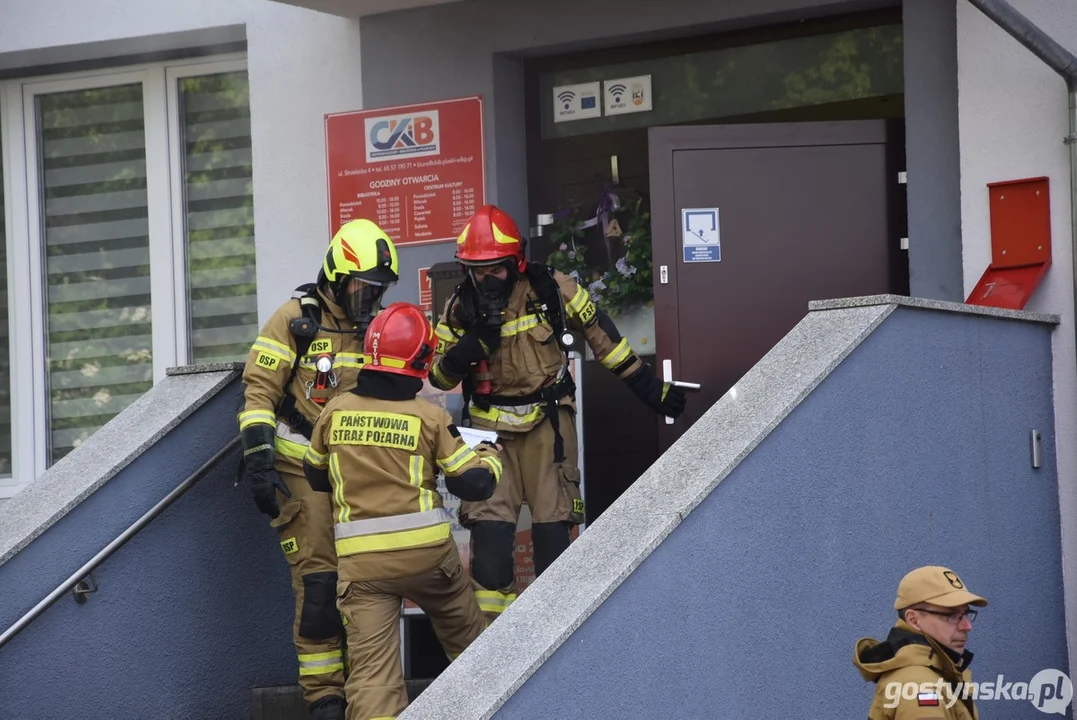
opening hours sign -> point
(418, 171)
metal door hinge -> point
(1036, 448)
(903, 178)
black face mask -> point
(360, 306)
(494, 295)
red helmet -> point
(489, 237)
(400, 340)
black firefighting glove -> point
(264, 487)
(662, 397)
(258, 458)
(477, 344)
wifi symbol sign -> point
(617, 91)
(566, 98)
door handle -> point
(667, 376)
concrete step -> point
(286, 702)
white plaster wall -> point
(302, 64)
(1013, 119)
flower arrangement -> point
(617, 285)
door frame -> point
(665, 141)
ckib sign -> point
(418, 171)
(393, 136)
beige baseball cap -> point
(936, 585)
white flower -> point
(563, 247)
(596, 286)
(624, 268)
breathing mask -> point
(360, 300)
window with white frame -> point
(129, 244)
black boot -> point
(330, 707)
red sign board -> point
(426, 291)
(418, 171)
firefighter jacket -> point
(379, 455)
(529, 358)
(270, 364)
(907, 660)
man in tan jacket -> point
(377, 451)
(921, 670)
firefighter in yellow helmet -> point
(377, 450)
(308, 352)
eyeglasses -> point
(954, 618)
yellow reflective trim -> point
(439, 377)
(256, 417)
(316, 459)
(501, 237)
(290, 449)
(519, 325)
(338, 488)
(394, 541)
(444, 332)
(493, 601)
(457, 460)
(386, 361)
(348, 360)
(463, 235)
(377, 429)
(617, 355)
(322, 669)
(315, 657)
(509, 418)
(495, 467)
(274, 348)
(417, 468)
(577, 302)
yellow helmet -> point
(362, 251)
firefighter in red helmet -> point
(505, 335)
(377, 451)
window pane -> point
(222, 304)
(5, 346)
(97, 258)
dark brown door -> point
(804, 213)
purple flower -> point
(624, 268)
(563, 247)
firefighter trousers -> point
(375, 685)
(552, 493)
(305, 527)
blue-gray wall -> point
(914, 451)
(190, 614)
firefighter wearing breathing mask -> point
(505, 334)
(307, 353)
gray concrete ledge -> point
(113, 447)
(208, 368)
(479, 682)
(926, 304)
